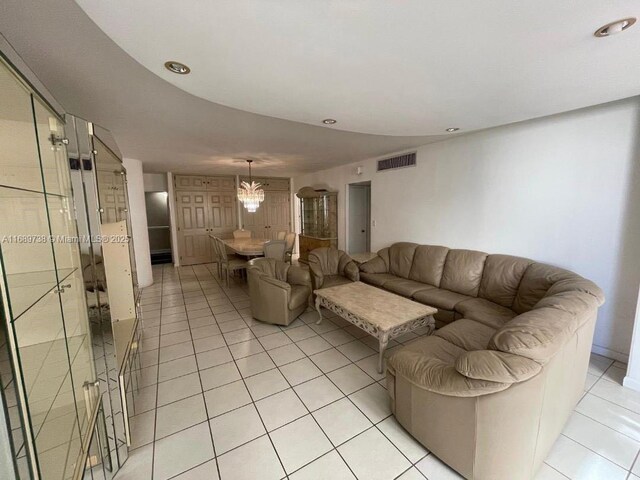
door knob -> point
(362, 231)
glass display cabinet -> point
(51, 376)
(318, 220)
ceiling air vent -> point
(401, 161)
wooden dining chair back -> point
(275, 249)
(241, 234)
(215, 255)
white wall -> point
(135, 189)
(155, 182)
(559, 190)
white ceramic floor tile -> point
(578, 462)
(370, 455)
(350, 378)
(549, 473)
(246, 349)
(254, 364)
(177, 368)
(603, 440)
(408, 445)
(299, 333)
(300, 371)
(176, 351)
(274, 340)
(318, 392)
(341, 421)
(299, 443)
(338, 337)
(139, 464)
(142, 427)
(255, 460)
(209, 343)
(235, 428)
(286, 354)
(611, 415)
(599, 364)
(433, 468)
(313, 345)
(356, 350)
(226, 398)
(180, 415)
(329, 360)
(212, 358)
(280, 409)
(206, 471)
(329, 466)
(373, 401)
(615, 393)
(412, 474)
(219, 375)
(266, 383)
(182, 451)
(178, 388)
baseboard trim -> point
(632, 383)
(605, 352)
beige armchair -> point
(330, 267)
(279, 292)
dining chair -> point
(229, 263)
(215, 255)
(281, 235)
(290, 239)
(241, 234)
(275, 249)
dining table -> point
(248, 247)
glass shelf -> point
(27, 289)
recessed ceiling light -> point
(329, 121)
(452, 129)
(615, 27)
(177, 67)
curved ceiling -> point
(411, 67)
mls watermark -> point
(31, 239)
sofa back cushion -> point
(463, 271)
(501, 278)
(536, 281)
(428, 264)
(271, 267)
(401, 258)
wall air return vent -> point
(401, 161)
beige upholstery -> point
(241, 234)
(281, 234)
(290, 239)
(330, 267)
(275, 249)
(489, 392)
(279, 292)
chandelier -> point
(250, 194)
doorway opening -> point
(359, 218)
(159, 229)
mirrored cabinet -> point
(69, 336)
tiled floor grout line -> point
(155, 410)
(206, 408)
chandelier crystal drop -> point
(250, 193)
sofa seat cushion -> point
(404, 287)
(440, 298)
(299, 296)
(486, 312)
(377, 279)
(334, 280)
(429, 363)
(466, 334)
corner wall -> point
(558, 190)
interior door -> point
(111, 193)
(193, 236)
(223, 213)
(359, 212)
(278, 213)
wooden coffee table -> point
(382, 314)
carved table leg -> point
(318, 309)
(384, 340)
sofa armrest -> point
(299, 276)
(351, 271)
(375, 265)
(496, 366)
(432, 374)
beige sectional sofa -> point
(491, 389)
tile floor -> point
(226, 397)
